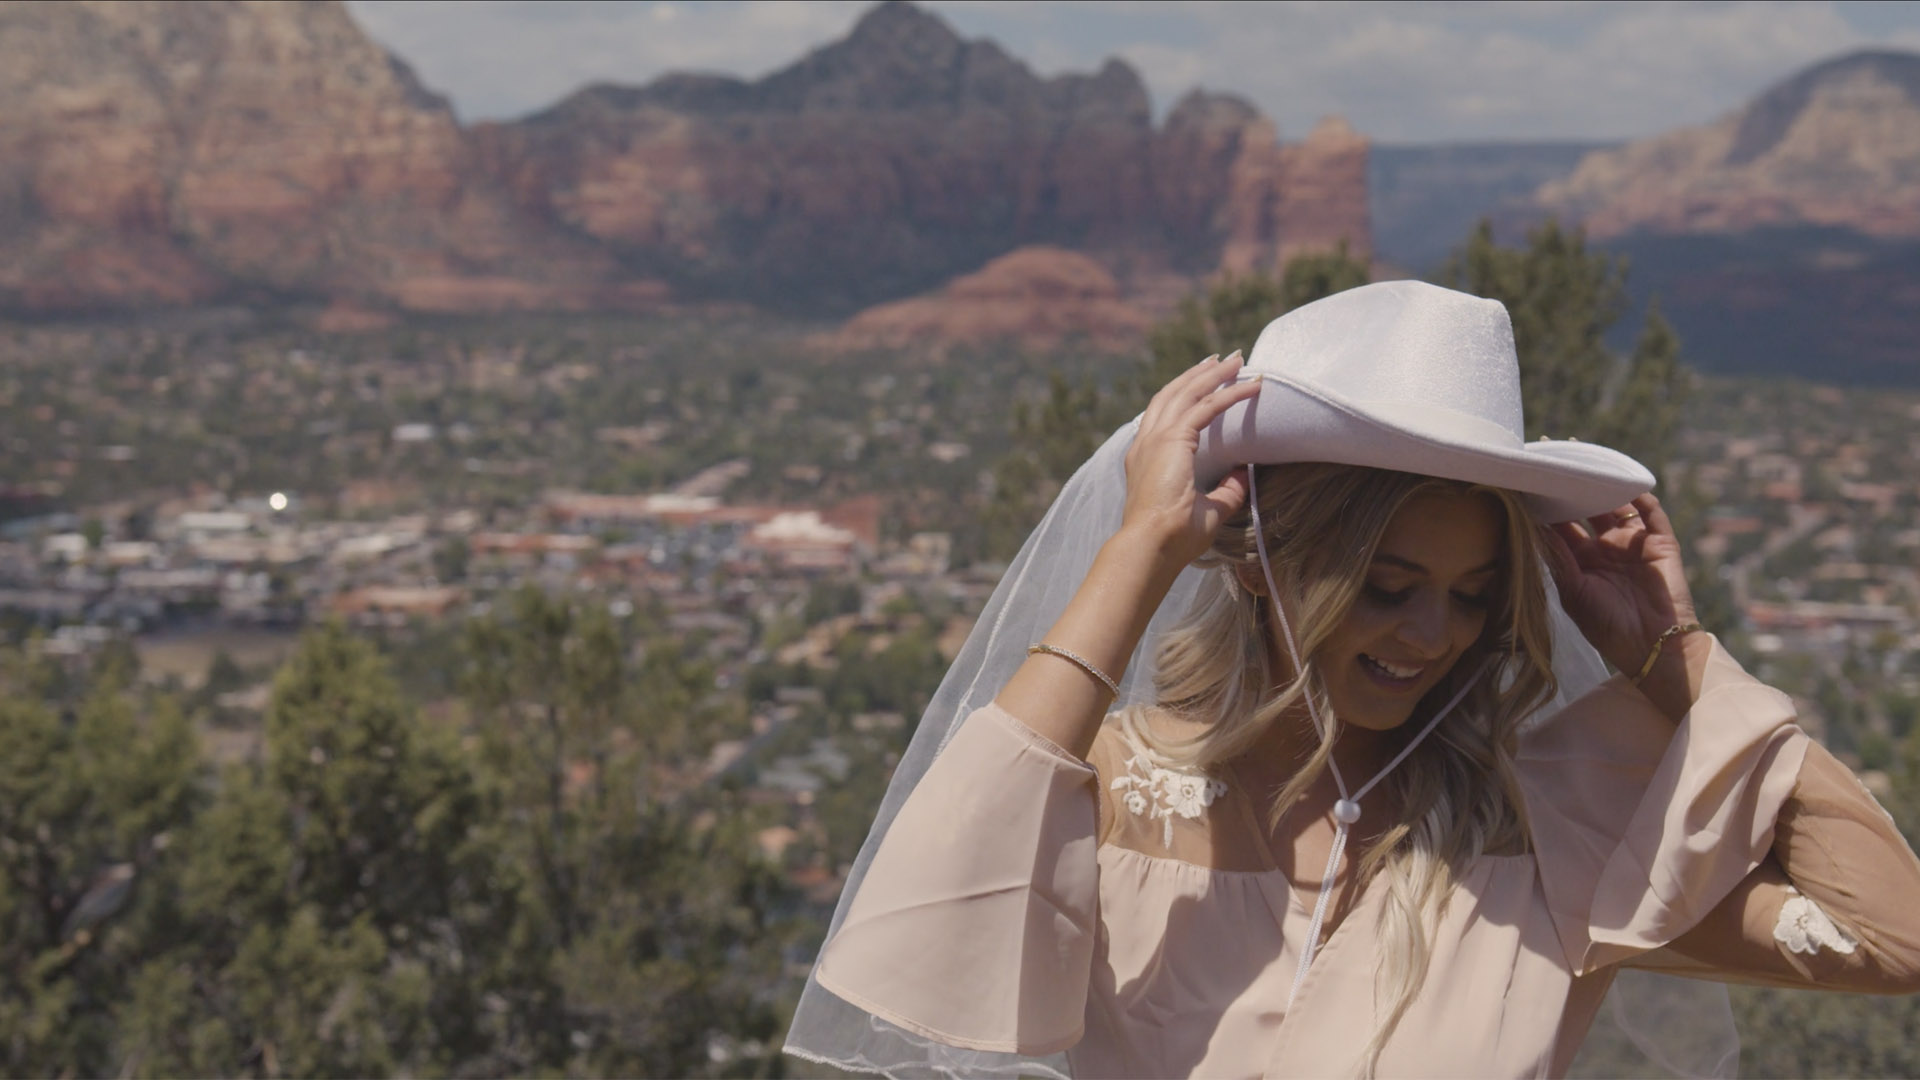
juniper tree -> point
(92, 804)
(340, 901)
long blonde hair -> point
(1457, 794)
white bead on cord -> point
(1346, 809)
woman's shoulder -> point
(1134, 740)
(1151, 803)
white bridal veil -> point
(1684, 1027)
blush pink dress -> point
(1008, 910)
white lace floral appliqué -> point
(1804, 928)
(1154, 792)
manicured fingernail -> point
(1235, 355)
(1211, 359)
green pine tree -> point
(1643, 418)
(1315, 275)
(91, 804)
(1050, 439)
(646, 941)
(340, 902)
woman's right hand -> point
(1164, 508)
(1167, 524)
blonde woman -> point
(1310, 766)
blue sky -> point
(1399, 71)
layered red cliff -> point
(1042, 297)
(163, 154)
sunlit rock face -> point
(1036, 297)
(157, 154)
(1837, 145)
(162, 153)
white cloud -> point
(1416, 72)
(1399, 71)
(500, 60)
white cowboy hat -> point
(1409, 376)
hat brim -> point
(1292, 421)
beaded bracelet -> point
(1660, 642)
(1087, 665)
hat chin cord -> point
(1346, 810)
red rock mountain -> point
(1837, 146)
(1039, 296)
(160, 153)
(163, 153)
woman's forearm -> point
(1102, 624)
(1674, 682)
(1166, 524)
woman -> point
(1138, 882)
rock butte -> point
(1036, 296)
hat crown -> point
(1406, 348)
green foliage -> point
(684, 943)
(899, 676)
(332, 897)
(1050, 439)
(384, 808)
(90, 805)
(381, 894)
(642, 939)
(1315, 275)
(1904, 804)
(450, 560)
(828, 598)
(1713, 599)
(1797, 1033)
(224, 674)
(1644, 416)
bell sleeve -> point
(1837, 906)
(974, 926)
(1641, 828)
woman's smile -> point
(1392, 676)
(1423, 605)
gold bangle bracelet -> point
(1660, 642)
(1075, 658)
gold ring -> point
(1626, 517)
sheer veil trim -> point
(1036, 587)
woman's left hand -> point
(1621, 579)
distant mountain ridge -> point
(1783, 237)
(1423, 199)
(1837, 145)
(172, 154)
(162, 155)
